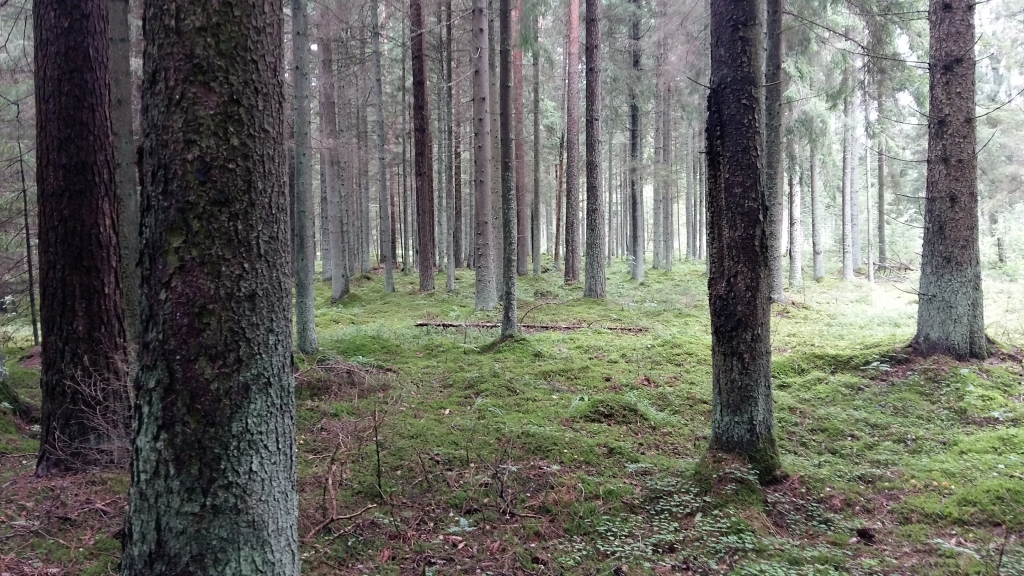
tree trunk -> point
(572, 147)
(739, 280)
(796, 230)
(305, 255)
(691, 183)
(594, 277)
(535, 219)
(883, 256)
(406, 199)
(847, 192)
(668, 193)
(518, 141)
(332, 170)
(85, 404)
(486, 293)
(509, 321)
(855, 240)
(773, 146)
(560, 180)
(636, 210)
(384, 207)
(458, 230)
(28, 248)
(422, 151)
(213, 475)
(817, 245)
(496, 203)
(950, 317)
(125, 165)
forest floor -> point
(430, 451)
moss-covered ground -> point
(573, 452)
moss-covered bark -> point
(213, 477)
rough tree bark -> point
(738, 282)
(509, 320)
(213, 476)
(950, 316)
(422, 151)
(572, 147)
(84, 349)
(304, 252)
(594, 277)
(486, 293)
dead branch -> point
(312, 534)
(549, 327)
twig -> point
(312, 534)
(554, 327)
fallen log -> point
(540, 327)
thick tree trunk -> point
(213, 475)
(85, 404)
(305, 254)
(125, 165)
(486, 292)
(773, 146)
(594, 277)
(636, 192)
(739, 282)
(572, 147)
(950, 316)
(384, 207)
(817, 244)
(509, 320)
(332, 169)
(422, 151)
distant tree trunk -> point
(691, 183)
(125, 169)
(325, 233)
(668, 192)
(406, 199)
(950, 317)
(448, 153)
(817, 245)
(509, 321)
(496, 203)
(657, 183)
(213, 475)
(535, 219)
(457, 216)
(773, 146)
(486, 293)
(883, 256)
(28, 249)
(422, 144)
(847, 192)
(560, 180)
(84, 354)
(518, 141)
(636, 210)
(594, 277)
(855, 240)
(378, 103)
(739, 281)
(867, 195)
(332, 169)
(796, 230)
(572, 146)
(305, 255)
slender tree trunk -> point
(449, 155)
(691, 184)
(594, 277)
(773, 146)
(458, 231)
(883, 257)
(332, 168)
(739, 281)
(406, 198)
(668, 192)
(636, 210)
(28, 248)
(796, 231)
(522, 205)
(535, 220)
(855, 239)
(509, 320)
(817, 244)
(325, 243)
(496, 202)
(950, 316)
(213, 474)
(486, 293)
(867, 196)
(847, 193)
(572, 154)
(422, 152)
(378, 99)
(125, 168)
(305, 256)
(84, 348)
